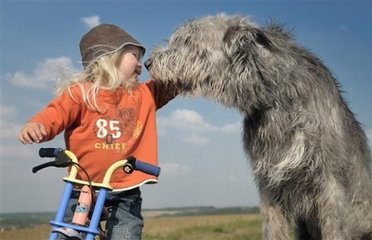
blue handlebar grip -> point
(49, 152)
(147, 168)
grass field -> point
(233, 226)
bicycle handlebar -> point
(145, 167)
(49, 152)
(62, 160)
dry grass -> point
(235, 227)
(244, 226)
(37, 233)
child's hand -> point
(32, 132)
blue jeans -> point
(124, 220)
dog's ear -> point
(238, 37)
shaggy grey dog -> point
(310, 157)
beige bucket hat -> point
(104, 39)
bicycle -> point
(81, 223)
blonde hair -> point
(102, 73)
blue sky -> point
(200, 149)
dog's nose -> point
(148, 63)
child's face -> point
(130, 63)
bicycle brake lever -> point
(44, 165)
(62, 160)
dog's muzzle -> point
(148, 63)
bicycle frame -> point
(92, 230)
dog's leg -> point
(332, 210)
(301, 232)
(304, 230)
(275, 226)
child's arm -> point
(60, 114)
(162, 93)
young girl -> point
(107, 115)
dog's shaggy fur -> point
(310, 157)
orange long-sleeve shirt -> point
(125, 126)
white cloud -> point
(8, 127)
(9, 130)
(188, 120)
(192, 125)
(7, 112)
(10, 148)
(45, 74)
(343, 28)
(184, 119)
(174, 169)
(231, 128)
(369, 136)
(195, 139)
(17, 150)
(91, 21)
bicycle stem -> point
(106, 180)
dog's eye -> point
(262, 39)
(187, 41)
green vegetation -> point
(197, 211)
(24, 220)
